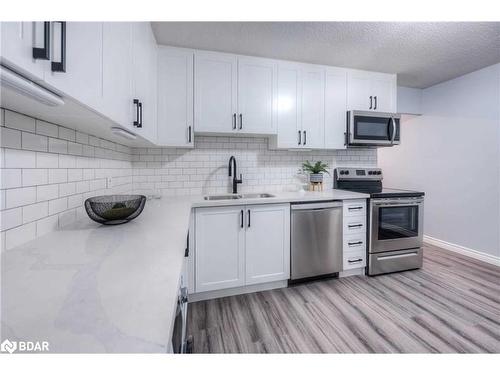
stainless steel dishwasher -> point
(316, 237)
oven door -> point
(396, 224)
(373, 129)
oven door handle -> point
(397, 203)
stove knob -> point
(379, 172)
(341, 172)
(346, 172)
(370, 172)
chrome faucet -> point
(232, 172)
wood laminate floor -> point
(450, 305)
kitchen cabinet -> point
(215, 92)
(267, 243)
(257, 83)
(241, 245)
(18, 40)
(220, 248)
(369, 91)
(117, 94)
(335, 108)
(234, 94)
(313, 107)
(82, 78)
(354, 234)
(175, 97)
(145, 66)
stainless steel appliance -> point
(395, 220)
(316, 239)
(372, 129)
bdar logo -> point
(8, 346)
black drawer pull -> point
(355, 243)
(43, 53)
(355, 225)
(60, 66)
(355, 208)
(137, 124)
(355, 260)
(241, 223)
(234, 121)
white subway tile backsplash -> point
(59, 146)
(33, 177)
(67, 134)
(19, 159)
(20, 197)
(11, 218)
(46, 160)
(67, 161)
(10, 137)
(47, 192)
(58, 176)
(83, 138)
(34, 142)
(35, 211)
(18, 121)
(47, 225)
(45, 128)
(67, 189)
(58, 205)
(11, 178)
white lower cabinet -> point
(354, 234)
(241, 245)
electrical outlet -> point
(109, 182)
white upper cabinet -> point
(175, 97)
(257, 83)
(215, 92)
(267, 243)
(82, 57)
(313, 107)
(289, 103)
(17, 43)
(335, 108)
(117, 99)
(145, 66)
(369, 91)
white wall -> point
(409, 100)
(452, 153)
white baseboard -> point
(463, 250)
(238, 290)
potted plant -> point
(315, 170)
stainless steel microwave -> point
(365, 129)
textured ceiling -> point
(421, 53)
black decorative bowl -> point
(114, 209)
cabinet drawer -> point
(354, 259)
(355, 207)
(354, 225)
(355, 242)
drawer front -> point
(354, 259)
(355, 207)
(354, 225)
(355, 242)
(393, 261)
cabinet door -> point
(215, 86)
(83, 77)
(256, 95)
(313, 107)
(18, 40)
(220, 248)
(289, 106)
(175, 97)
(358, 91)
(267, 243)
(117, 72)
(384, 89)
(145, 77)
(335, 108)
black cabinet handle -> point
(43, 53)
(354, 260)
(241, 222)
(60, 66)
(249, 218)
(234, 121)
(189, 134)
(136, 121)
(300, 137)
(375, 107)
(140, 114)
(355, 243)
(371, 102)
(305, 137)
(355, 208)
(186, 252)
(355, 225)
(241, 121)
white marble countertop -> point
(93, 288)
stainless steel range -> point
(396, 220)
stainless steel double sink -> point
(237, 196)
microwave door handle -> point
(393, 122)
